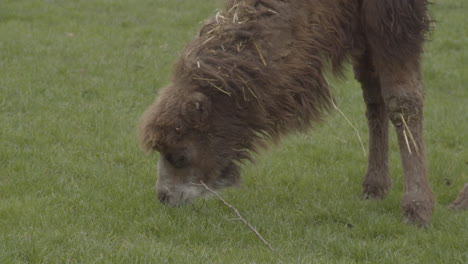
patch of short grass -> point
(75, 188)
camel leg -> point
(377, 180)
(462, 200)
(402, 90)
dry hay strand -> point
(406, 128)
(240, 217)
(351, 124)
(260, 54)
(218, 88)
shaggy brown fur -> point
(256, 72)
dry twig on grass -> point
(239, 215)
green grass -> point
(75, 188)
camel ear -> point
(148, 133)
(197, 108)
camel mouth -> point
(181, 195)
(178, 195)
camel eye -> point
(177, 160)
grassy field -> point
(75, 188)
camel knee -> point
(404, 109)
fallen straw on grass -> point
(238, 214)
(351, 124)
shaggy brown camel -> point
(256, 72)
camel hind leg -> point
(462, 200)
(395, 32)
(402, 91)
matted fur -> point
(265, 61)
(256, 71)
